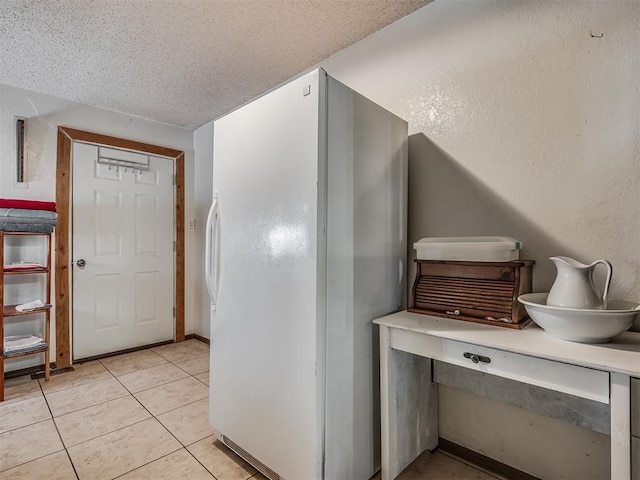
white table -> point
(410, 342)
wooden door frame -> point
(66, 137)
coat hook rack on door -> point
(124, 164)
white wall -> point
(522, 123)
(45, 114)
(202, 197)
(532, 122)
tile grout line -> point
(169, 382)
(36, 458)
(91, 406)
(74, 386)
(28, 424)
(182, 446)
(196, 458)
(188, 373)
(64, 445)
(122, 428)
(55, 425)
(156, 416)
(181, 406)
(148, 463)
(108, 433)
(129, 393)
(140, 369)
(137, 352)
(155, 386)
(185, 446)
(64, 448)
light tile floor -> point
(141, 415)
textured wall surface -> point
(578, 411)
(524, 121)
(44, 114)
(534, 443)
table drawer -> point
(635, 410)
(571, 379)
(574, 380)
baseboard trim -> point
(40, 368)
(55, 371)
(482, 461)
(28, 371)
(197, 337)
(120, 352)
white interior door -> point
(123, 258)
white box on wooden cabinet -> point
(470, 249)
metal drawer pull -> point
(475, 358)
(454, 312)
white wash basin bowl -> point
(580, 325)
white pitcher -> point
(574, 286)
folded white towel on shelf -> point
(18, 342)
(23, 263)
(24, 307)
(18, 266)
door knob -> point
(81, 263)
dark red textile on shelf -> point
(27, 204)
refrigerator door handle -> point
(212, 283)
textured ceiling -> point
(182, 62)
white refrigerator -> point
(306, 245)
